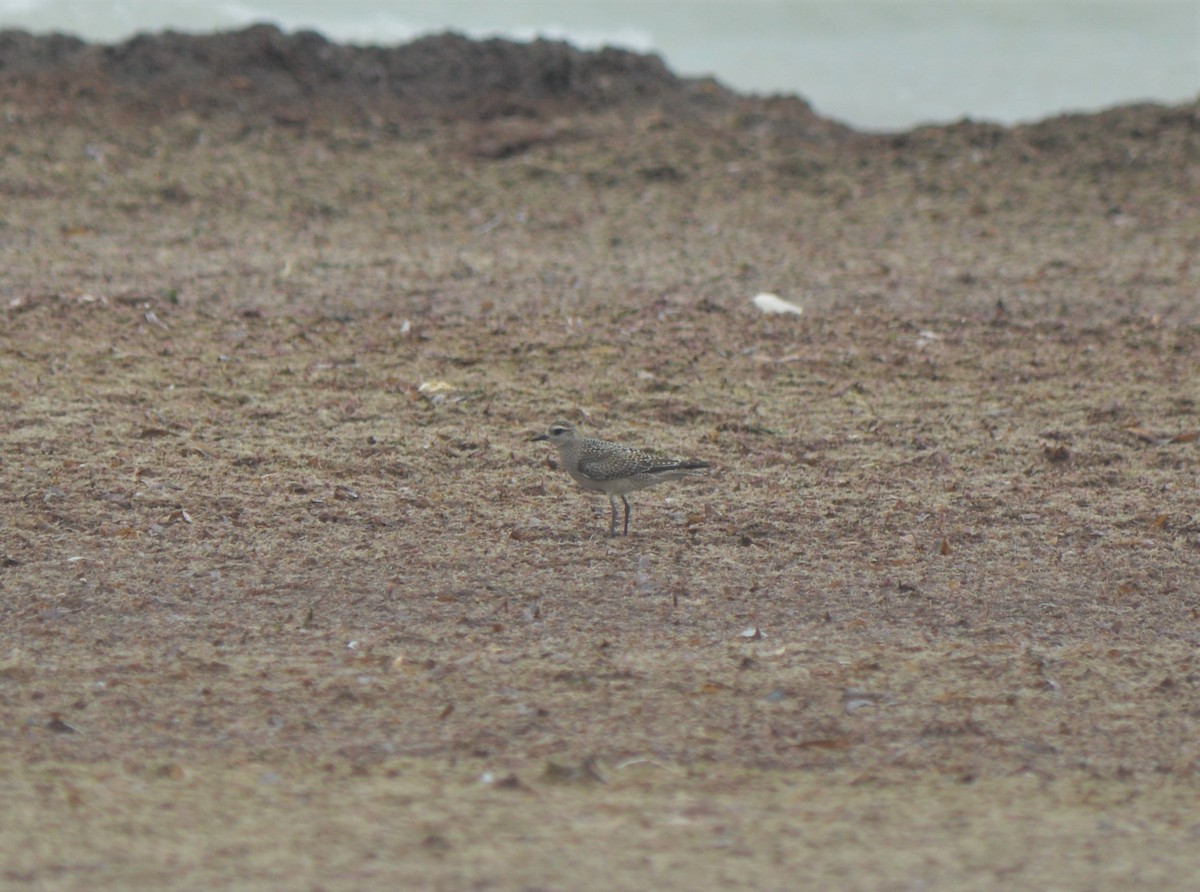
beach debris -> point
(854, 700)
(1160, 438)
(774, 305)
(152, 317)
(58, 726)
(926, 336)
(586, 772)
(1056, 453)
(436, 391)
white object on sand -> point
(770, 303)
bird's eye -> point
(557, 431)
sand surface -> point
(289, 600)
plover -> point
(614, 468)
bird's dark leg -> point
(626, 501)
(612, 525)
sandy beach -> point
(288, 599)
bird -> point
(614, 468)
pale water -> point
(875, 64)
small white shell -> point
(770, 303)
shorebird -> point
(614, 468)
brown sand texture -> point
(289, 600)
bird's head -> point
(558, 433)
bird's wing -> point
(594, 469)
(663, 467)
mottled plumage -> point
(613, 468)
